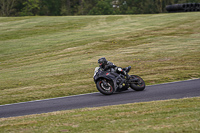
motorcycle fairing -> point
(107, 75)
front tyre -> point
(106, 90)
(138, 85)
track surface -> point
(174, 90)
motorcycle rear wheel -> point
(139, 85)
(106, 90)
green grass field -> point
(46, 57)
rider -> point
(105, 65)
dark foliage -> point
(85, 7)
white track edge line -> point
(87, 94)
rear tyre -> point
(139, 85)
(106, 90)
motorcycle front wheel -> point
(106, 90)
(138, 85)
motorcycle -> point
(108, 82)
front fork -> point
(105, 83)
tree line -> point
(84, 7)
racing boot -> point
(126, 75)
(133, 79)
(127, 69)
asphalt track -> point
(174, 90)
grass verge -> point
(157, 116)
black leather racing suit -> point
(114, 68)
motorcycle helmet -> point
(102, 62)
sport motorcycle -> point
(108, 82)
